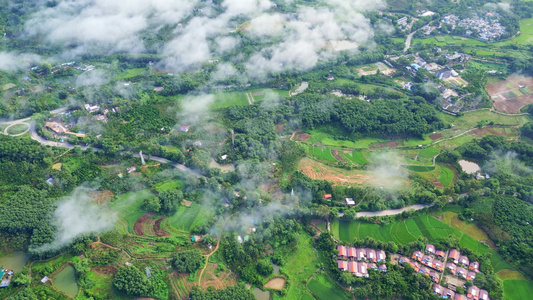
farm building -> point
(383, 268)
(327, 196)
(381, 256)
(350, 201)
(417, 255)
(352, 253)
(461, 272)
(342, 265)
(471, 275)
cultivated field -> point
(512, 94)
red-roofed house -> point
(352, 253)
(183, 128)
(430, 249)
(372, 266)
(473, 292)
(371, 255)
(437, 264)
(383, 268)
(342, 265)
(454, 254)
(451, 267)
(484, 295)
(426, 260)
(403, 259)
(474, 266)
(464, 260)
(327, 196)
(441, 253)
(417, 255)
(471, 275)
(352, 267)
(424, 271)
(382, 256)
(460, 297)
(342, 251)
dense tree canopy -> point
(188, 261)
(131, 281)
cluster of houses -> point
(431, 260)
(487, 27)
(474, 293)
(360, 260)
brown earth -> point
(392, 144)
(335, 154)
(104, 270)
(499, 92)
(435, 136)
(101, 196)
(139, 224)
(186, 202)
(276, 283)
(225, 279)
(301, 136)
(157, 228)
(488, 130)
(437, 184)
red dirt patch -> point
(301, 136)
(225, 279)
(104, 270)
(335, 154)
(392, 144)
(138, 226)
(157, 228)
(489, 130)
(437, 184)
(435, 136)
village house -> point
(381, 256)
(184, 128)
(461, 272)
(352, 253)
(361, 254)
(92, 108)
(474, 266)
(484, 295)
(473, 292)
(460, 297)
(443, 292)
(352, 267)
(403, 259)
(451, 267)
(454, 254)
(371, 255)
(342, 265)
(434, 276)
(383, 268)
(350, 201)
(342, 251)
(464, 260)
(417, 255)
(471, 276)
(437, 264)
(430, 249)
(441, 253)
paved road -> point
(43, 141)
(408, 41)
(391, 212)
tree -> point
(25, 294)
(264, 267)
(170, 200)
(82, 266)
(346, 278)
(20, 278)
(188, 261)
(152, 204)
(131, 281)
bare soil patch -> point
(489, 130)
(225, 279)
(301, 136)
(511, 94)
(101, 196)
(157, 228)
(104, 270)
(186, 202)
(138, 227)
(276, 283)
(437, 184)
(435, 136)
(450, 279)
(335, 154)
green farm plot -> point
(130, 73)
(403, 234)
(420, 168)
(128, 207)
(413, 228)
(359, 157)
(429, 152)
(370, 230)
(335, 229)
(348, 231)
(325, 289)
(169, 185)
(440, 39)
(227, 99)
(446, 176)
(517, 289)
(323, 153)
(183, 219)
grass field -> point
(324, 289)
(183, 219)
(446, 176)
(18, 128)
(448, 40)
(517, 289)
(420, 168)
(130, 73)
(429, 152)
(301, 263)
(169, 185)
(128, 207)
(356, 156)
(227, 99)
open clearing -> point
(316, 170)
(517, 289)
(275, 283)
(511, 95)
(223, 280)
(323, 288)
